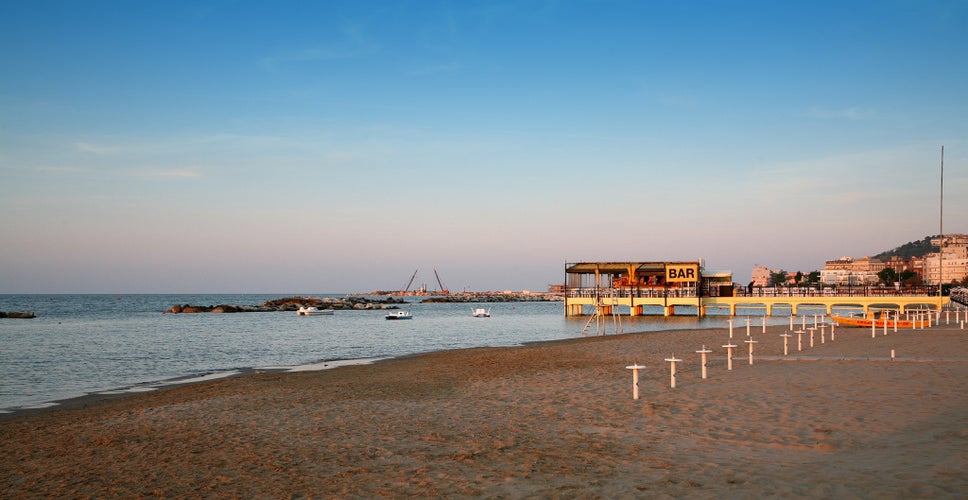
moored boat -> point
(480, 312)
(399, 315)
(313, 311)
(871, 320)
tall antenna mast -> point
(941, 230)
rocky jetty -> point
(16, 314)
(292, 304)
(494, 297)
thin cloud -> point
(353, 44)
(679, 101)
(851, 113)
(87, 147)
(433, 69)
(168, 174)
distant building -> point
(761, 276)
(951, 263)
(850, 271)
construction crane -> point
(405, 290)
(443, 290)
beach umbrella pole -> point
(635, 379)
(729, 355)
(702, 354)
(751, 342)
(672, 369)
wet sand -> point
(557, 419)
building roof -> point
(641, 268)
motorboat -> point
(480, 312)
(313, 311)
(400, 315)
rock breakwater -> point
(293, 304)
(17, 314)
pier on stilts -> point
(607, 289)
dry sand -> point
(549, 420)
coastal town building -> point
(851, 272)
(761, 276)
(901, 265)
(950, 264)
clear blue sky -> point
(254, 146)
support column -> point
(669, 310)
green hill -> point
(911, 249)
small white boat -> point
(480, 312)
(313, 311)
(400, 315)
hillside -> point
(910, 249)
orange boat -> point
(872, 321)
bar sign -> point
(679, 273)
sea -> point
(87, 344)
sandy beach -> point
(557, 419)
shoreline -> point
(88, 398)
(552, 418)
(93, 398)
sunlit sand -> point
(548, 420)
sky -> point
(218, 146)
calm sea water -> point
(81, 344)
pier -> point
(628, 288)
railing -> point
(652, 293)
(960, 295)
(841, 291)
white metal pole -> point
(635, 379)
(729, 355)
(751, 342)
(672, 370)
(703, 353)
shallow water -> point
(80, 344)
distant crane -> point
(405, 290)
(443, 290)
